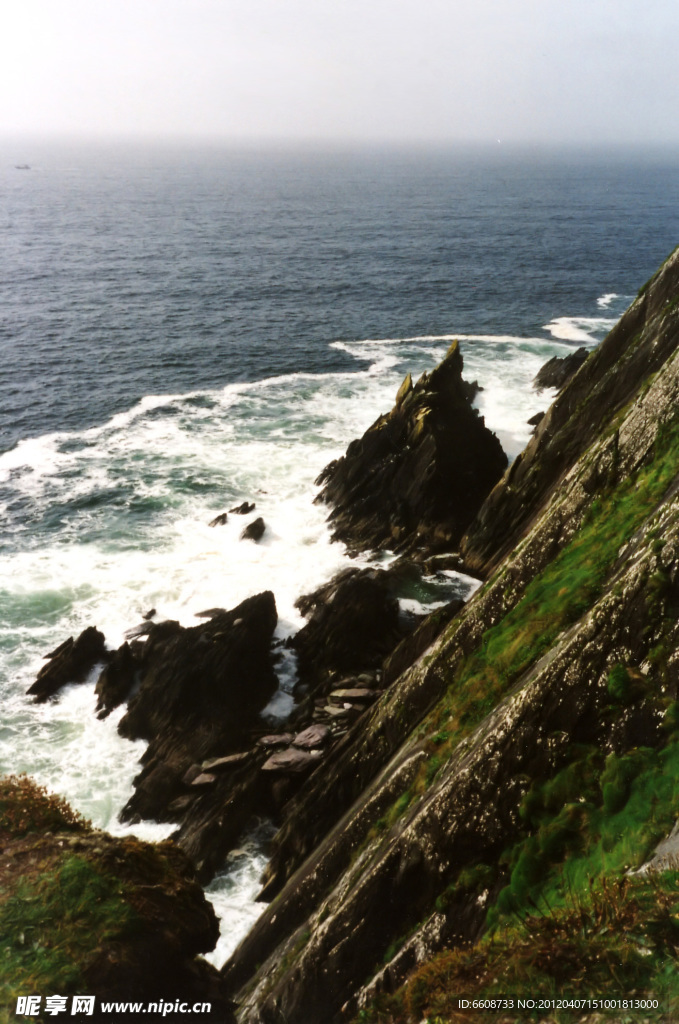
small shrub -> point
(27, 807)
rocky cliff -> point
(82, 912)
(528, 759)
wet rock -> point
(534, 420)
(244, 509)
(70, 662)
(200, 691)
(419, 474)
(557, 371)
(220, 520)
(149, 614)
(209, 613)
(416, 643)
(143, 629)
(354, 621)
(254, 530)
(116, 681)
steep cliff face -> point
(534, 744)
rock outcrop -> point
(70, 662)
(557, 371)
(85, 912)
(531, 745)
(200, 692)
(419, 474)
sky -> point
(524, 71)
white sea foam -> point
(605, 300)
(586, 330)
(115, 521)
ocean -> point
(186, 328)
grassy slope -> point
(598, 816)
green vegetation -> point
(552, 931)
(73, 900)
(617, 939)
(53, 924)
(599, 816)
(565, 590)
(26, 807)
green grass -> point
(52, 926)
(557, 598)
(619, 939)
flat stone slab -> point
(359, 693)
(204, 779)
(223, 763)
(314, 736)
(281, 739)
(339, 712)
(292, 760)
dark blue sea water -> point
(132, 271)
(184, 329)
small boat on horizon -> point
(22, 167)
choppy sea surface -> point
(182, 329)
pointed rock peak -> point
(454, 352)
(405, 388)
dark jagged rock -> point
(419, 474)
(71, 662)
(220, 520)
(557, 371)
(116, 681)
(243, 509)
(354, 621)
(254, 530)
(534, 420)
(143, 629)
(201, 689)
(149, 614)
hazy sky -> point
(516, 70)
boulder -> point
(70, 662)
(254, 530)
(281, 739)
(417, 477)
(218, 764)
(312, 737)
(244, 509)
